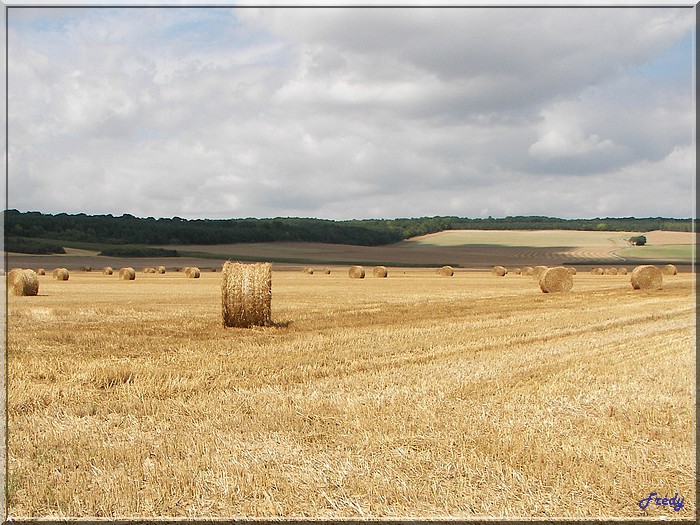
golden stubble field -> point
(415, 395)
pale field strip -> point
(412, 396)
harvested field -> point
(412, 396)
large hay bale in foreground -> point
(380, 271)
(246, 294)
(669, 269)
(446, 271)
(23, 282)
(107, 270)
(499, 271)
(356, 272)
(192, 272)
(127, 274)
(556, 280)
(527, 270)
(646, 277)
(537, 271)
(60, 274)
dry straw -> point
(380, 271)
(646, 277)
(527, 270)
(23, 282)
(192, 272)
(537, 271)
(499, 271)
(60, 274)
(160, 270)
(356, 272)
(107, 270)
(127, 274)
(246, 294)
(447, 271)
(669, 269)
(556, 280)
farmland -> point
(415, 395)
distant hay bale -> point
(149, 269)
(622, 271)
(597, 271)
(556, 280)
(380, 271)
(446, 271)
(327, 271)
(356, 272)
(23, 282)
(161, 270)
(127, 274)
(499, 271)
(537, 271)
(572, 270)
(184, 270)
(60, 274)
(308, 270)
(527, 270)
(669, 269)
(107, 270)
(192, 272)
(610, 271)
(40, 271)
(86, 268)
(646, 277)
(246, 294)
(516, 271)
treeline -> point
(129, 230)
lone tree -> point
(639, 240)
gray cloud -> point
(352, 113)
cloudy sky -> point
(352, 113)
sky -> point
(352, 113)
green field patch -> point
(668, 252)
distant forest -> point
(34, 231)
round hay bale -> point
(149, 269)
(380, 271)
(669, 269)
(127, 274)
(327, 271)
(446, 271)
(499, 271)
(610, 271)
(23, 282)
(646, 277)
(556, 280)
(516, 271)
(40, 271)
(192, 272)
(622, 271)
(527, 270)
(246, 294)
(597, 271)
(308, 270)
(161, 270)
(107, 270)
(537, 271)
(60, 274)
(356, 272)
(572, 270)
